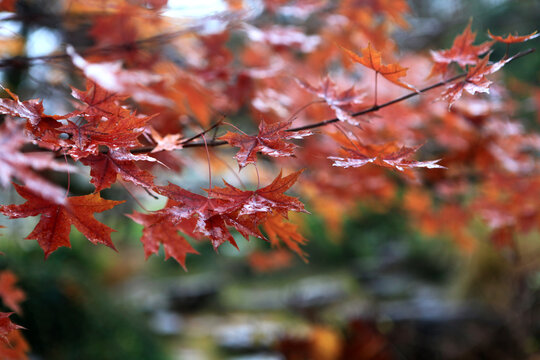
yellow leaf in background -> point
(11, 47)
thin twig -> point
(133, 196)
(402, 98)
(376, 77)
(340, 128)
(238, 178)
(209, 164)
(188, 142)
(184, 142)
(375, 107)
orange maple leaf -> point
(462, 52)
(511, 39)
(276, 228)
(371, 58)
(11, 295)
(475, 81)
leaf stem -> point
(340, 128)
(235, 127)
(294, 114)
(68, 176)
(202, 133)
(258, 177)
(133, 196)
(375, 101)
(209, 165)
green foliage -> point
(72, 315)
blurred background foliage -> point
(380, 290)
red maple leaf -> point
(113, 132)
(211, 216)
(159, 229)
(341, 102)
(462, 52)
(105, 167)
(41, 126)
(32, 110)
(270, 141)
(52, 230)
(268, 199)
(6, 326)
(11, 295)
(98, 102)
(201, 216)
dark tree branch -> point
(369, 110)
(402, 98)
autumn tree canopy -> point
(300, 107)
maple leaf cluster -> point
(158, 95)
(102, 139)
(13, 346)
(199, 216)
(314, 97)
